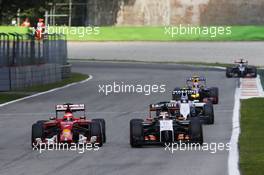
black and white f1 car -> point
(241, 69)
(204, 110)
(165, 127)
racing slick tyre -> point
(214, 93)
(136, 132)
(166, 137)
(176, 97)
(96, 130)
(209, 112)
(41, 121)
(228, 72)
(196, 131)
(36, 132)
(254, 72)
(102, 123)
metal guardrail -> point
(20, 50)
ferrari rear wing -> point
(72, 107)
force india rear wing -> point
(158, 106)
(72, 107)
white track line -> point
(259, 86)
(233, 156)
(45, 92)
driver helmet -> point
(68, 116)
(164, 114)
(195, 81)
(184, 96)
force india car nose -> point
(69, 129)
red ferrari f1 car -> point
(69, 128)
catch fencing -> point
(23, 49)
(26, 61)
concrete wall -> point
(174, 12)
(196, 12)
(25, 76)
(233, 12)
(102, 12)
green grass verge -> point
(251, 140)
(12, 95)
(238, 33)
(114, 33)
(5, 97)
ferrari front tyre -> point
(196, 130)
(96, 130)
(136, 132)
(37, 132)
(102, 123)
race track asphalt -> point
(211, 52)
(116, 157)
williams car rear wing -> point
(184, 92)
(241, 61)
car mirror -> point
(52, 118)
(82, 117)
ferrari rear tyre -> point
(102, 123)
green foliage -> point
(32, 9)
